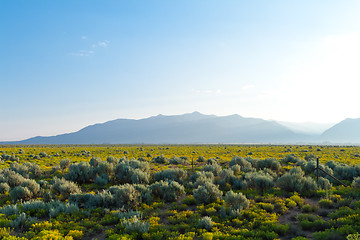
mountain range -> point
(193, 128)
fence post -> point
(317, 170)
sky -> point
(68, 64)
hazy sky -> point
(67, 64)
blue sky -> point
(67, 64)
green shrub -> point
(281, 229)
(43, 184)
(9, 210)
(252, 161)
(267, 207)
(145, 192)
(355, 236)
(21, 169)
(19, 222)
(132, 171)
(200, 178)
(295, 181)
(296, 198)
(176, 160)
(206, 223)
(27, 169)
(212, 161)
(32, 185)
(227, 178)
(236, 160)
(207, 193)
(200, 159)
(104, 168)
(4, 187)
(80, 172)
(104, 199)
(310, 166)
(324, 184)
(327, 234)
(214, 168)
(345, 172)
(112, 160)
(280, 206)
(57, 208)
(168, 191)
(83, 200)
(341, 213)
(355, 205)
(34, 205)
(291, 158)
(139, 177)
(43, 154)
(240, 183)
(12, 178)
(20, 193)
(305, 216)
(300, 238)
(325, 203)
(306, 225)
(64, 187)
(237, 201)
(95, 161)
(236, 168)
(290, 203)
(307, 208)
(64, 163)
(102, 180)
(332, 164)
(126, 215)
(263, 182)
(259, 180)
(135, 225)
(160, 159)
(356, 183)
(171, 174)
(270, 163)
(189, 200)
(125, 196)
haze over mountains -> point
(195, 128)
(347, 131)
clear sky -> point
(66, 64)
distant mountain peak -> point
(196, 113)
(346, 131)
(187, 128)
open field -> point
(178, 191)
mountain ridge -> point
(194, 128)
(346, 131)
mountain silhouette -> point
(188, 128)
(346, 131)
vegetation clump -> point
(123, 192)
(207, 193)
(237, 201)
(296, 181)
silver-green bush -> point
(171, 174)
(207, 193)
(167, 190)
(20, 193)
(206, 223)
(295, 181)
(236, 201)
(80, 172)
(64, 187)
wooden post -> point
(317, 170)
